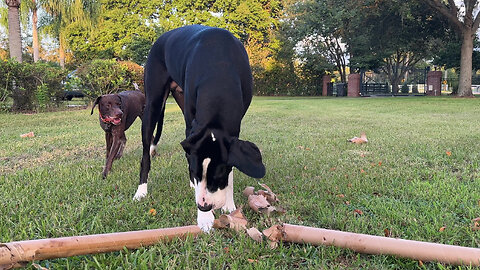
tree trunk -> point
(61, 54)
(14, 33)
(36, 47)
(465, 80)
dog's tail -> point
(157, 134)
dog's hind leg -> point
(108, 140)
(156, 95)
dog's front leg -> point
(116, 145)
(205, 220)
(229, 203)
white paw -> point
(141, 192)
(229, 207)
(153, 150)
(205, 220)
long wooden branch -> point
(371, 244)
(13, 254)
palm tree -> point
(14, 32)
(66, 12)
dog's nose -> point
(119, 115)
(205, 207)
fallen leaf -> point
(476, 224)
(448, 153)
(362, 139)
(152, 212)
(252, 261)
(442, 229)
(379, 163)
(387, 232)
(358, 212)
(362, 171)
(420, 263)
(333, 169)
(27, 135)
(255, 234)
(340, 195)
(347, 202)
(226, 249)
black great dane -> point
(208, 73)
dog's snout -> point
(205, 208)
(119, 114)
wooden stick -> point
(370, 244)
(13, 254)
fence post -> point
(353, 85)
(434, 83)
(326, 81)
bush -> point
(99, 77)
(404, 89)
(30, 86)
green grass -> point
(402, 180)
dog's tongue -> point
(116, 121)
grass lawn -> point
(418, 177)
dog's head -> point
(110, 108)
(211, 154)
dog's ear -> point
(246, 157)
(190, 143)
(95, 103)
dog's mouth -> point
(112, 120)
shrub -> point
(99, 77)
(404, 89)
(30, 86)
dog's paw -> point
(229, 207)
(141, 192)
(205, 220)
(153, 150)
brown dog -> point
(117, 112)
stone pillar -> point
(434, 83)
(326, 81)
(353, 85)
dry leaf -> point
(152, 212)
(358, 212)
(28, 135)
(387, 232)
(476, 224)
(420, 263)
(379, 163)
(448, 153)
(252, 260)
(341, 196)
(442, 229)
(362, 139)
(255, 234)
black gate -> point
(376, 84)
